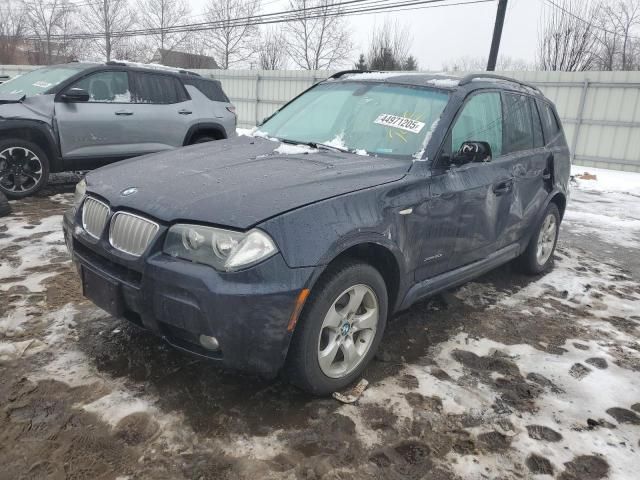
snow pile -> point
(118, 404)
(288, 149)
(247, 132)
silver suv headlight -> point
(224, 250)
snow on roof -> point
(153, 66)
(438, 80)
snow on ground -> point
(606, 180)
(606, 207)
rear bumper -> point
(246, 311)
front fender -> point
(314, 234)
(35, 131)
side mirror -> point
(75, 95)
(472, 152)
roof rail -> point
(113, 62)
(469, 78)
(187, 72)
(347, 72)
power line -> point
(587, 22)
(369, 6)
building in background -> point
(174, 58)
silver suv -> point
(79, 116)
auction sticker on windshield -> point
(402, 123)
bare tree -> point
(389, 47)
(317, 38)
(49, 23)
(134, 49)
(273, 50)
(161, 15)
(475, 64)
(566, 41)
(233, 40)
(622, 17)
(108, 17)
(12, 31)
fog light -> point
(210, 343)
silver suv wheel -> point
(21, 170)
(546, 238)
(348, 331)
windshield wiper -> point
(317, 145)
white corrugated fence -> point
(600, 111)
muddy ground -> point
(506, 377)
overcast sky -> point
(446, 33)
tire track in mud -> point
(463, 387)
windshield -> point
(38, 81)
(363, 117)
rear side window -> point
(549, 119)
(158, 89)
(212, 89)
(480, 120)
(518, 128)
(538, 140)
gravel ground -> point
(505, 377)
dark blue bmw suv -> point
(290, 248)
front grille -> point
(130, 233)
(94, 216)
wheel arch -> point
(560, 200)
(209, 128)
(383, 257)
(39, 134)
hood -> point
(35, 107)
(11, 97)
(237, 182)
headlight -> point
(81, 190)
(224, 250)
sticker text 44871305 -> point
(402, 123)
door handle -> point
(184, 111)
(124, 112)
(502, 187)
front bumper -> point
(247, 311)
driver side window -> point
(106, 87)
(481, 121)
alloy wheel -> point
(546, 239)
(20, 170)
(348, 331)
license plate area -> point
(102, 291)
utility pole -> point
(497, 35)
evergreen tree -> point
(361, 63)
(410, 63)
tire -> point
(203, 139)
(5, 208)
(24, 168)
(312, 336)
(531, 261)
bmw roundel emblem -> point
(128, 191)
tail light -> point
(232, 109)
